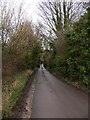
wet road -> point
(54, 98)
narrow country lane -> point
(56, 99)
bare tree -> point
(9, 21)
(59, 15)
(5, 17)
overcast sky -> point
(33, 10)
(30, 7)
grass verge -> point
(12, 90)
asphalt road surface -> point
(54, 98)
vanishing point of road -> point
(54, 98)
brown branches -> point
(59, 15)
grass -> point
(12, 90)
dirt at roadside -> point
(24, 106)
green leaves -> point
(78, 51)
(75, 65)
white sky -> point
(30, 7)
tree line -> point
(68, 38)
(21, 47)
(61, 42)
